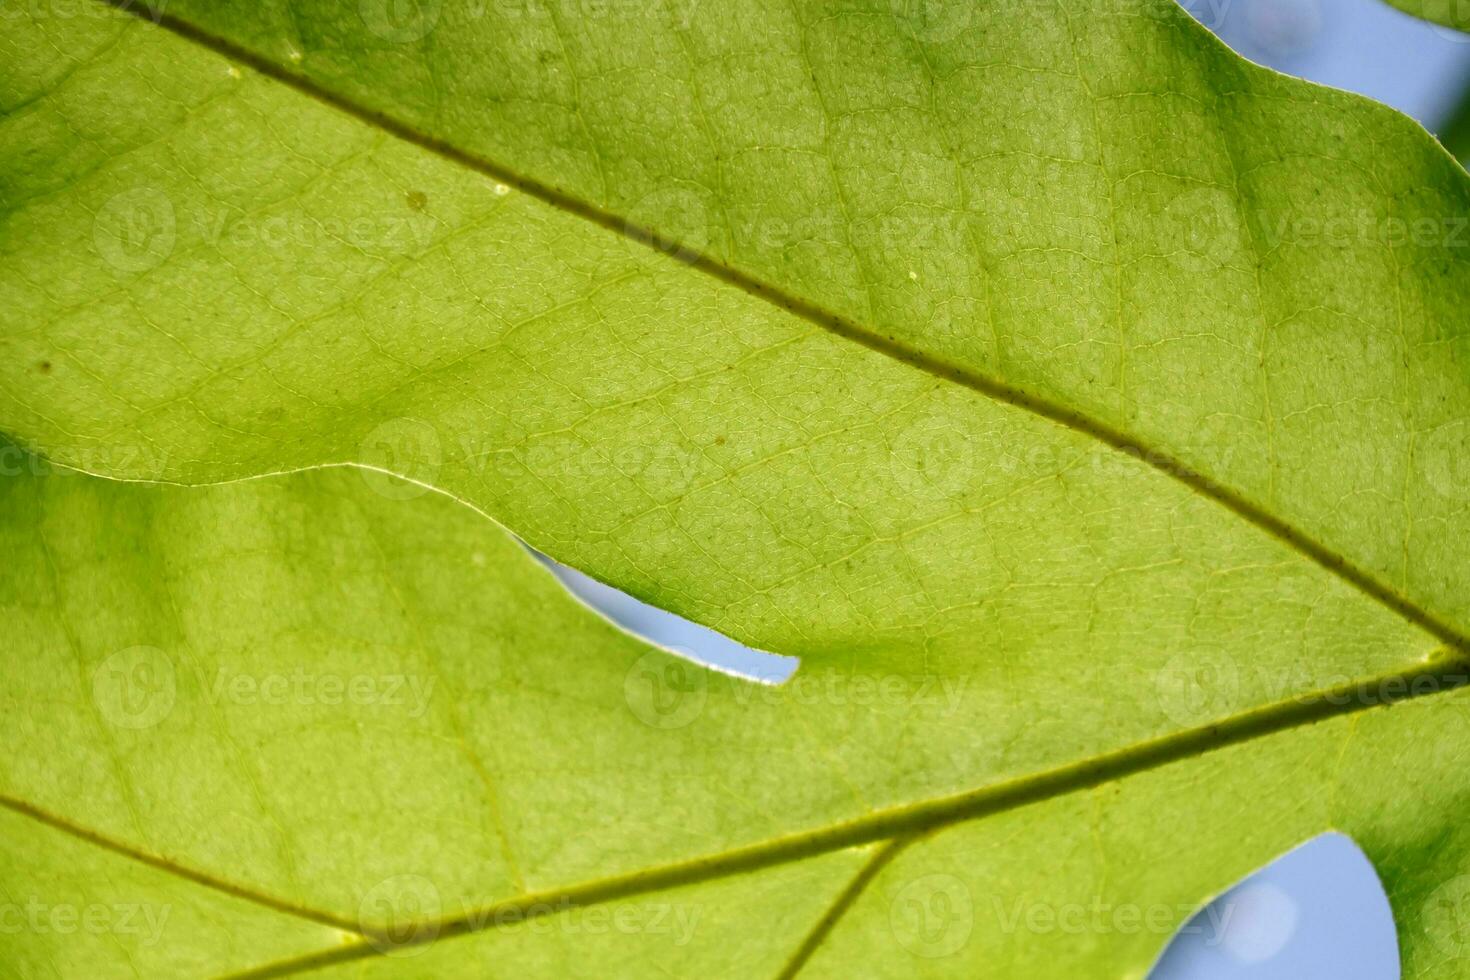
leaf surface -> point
(310, 726)
(1078, 382)
(621, 409)
(1137, 244)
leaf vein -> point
(1000, 391)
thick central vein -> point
(898, 825)
(994, 388)
(894, 826)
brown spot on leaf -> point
(719, 440)
(417, 200)
(44, 367)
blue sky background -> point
(1319, 911)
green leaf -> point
(925, 266)
(1449, 13)
(1046, 357)
(295, 722)
(622, 410)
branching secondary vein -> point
(895, 827)
(844, 901)
(892, 828)
(168, 866)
